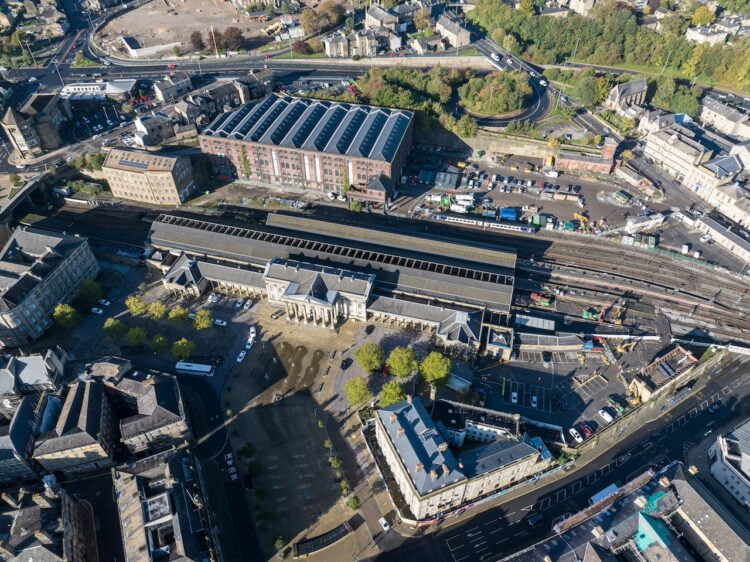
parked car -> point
(345, 363)
(253, 332)
(384, 524)
(238, 303)
(606, 416)
(96, 310)
(248, 304)
(341, 198)
(534, 401)
(536, 519)
(213, 297)
(331, 195)
(585, 429)
(714, 407)
(220, 322)
(278, 314)
(514, 397)
(575, 435)
(104, 302)
(249, 343)
(241, 356)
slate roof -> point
(318, 283)
(741, 436)
(80, 420)
(634, 87)
(157, 403)
(720, 230)
(724, 166)
(713, 104)
(28, 258)
(419, 446)
(492, 456)
(323, 126)
(14, 436)
(29, 370)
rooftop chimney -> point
(393, 418)
(443, 447)
(41, 501)
(9, 499)
(408, 398)
(401, 431)
(419, 467)
(446, 470)
(8, 550)
(434, 474)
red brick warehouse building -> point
(312, 144)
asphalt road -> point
(503, 530)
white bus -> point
(194, 369)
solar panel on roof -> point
(372, 134)
(257, 114)
(238, 116)
(351, 130)
(308, 125)
(337, 115)
(288, 122)
(133, 164)
(268, 121)
(394, 138)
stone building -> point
(17, 444)
(35, 128)
(310, 144)
(595, 163)
(731, 465)
(431, 478)
(85, 435)
(453, 32)
(21, 375)
(706, 35)
(39, 271)
(173, 86)
(377, 17)
(627, 99)
(724, 118)
(153, 130)
(150, 177)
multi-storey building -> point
(149, 176)
(431, 478)
(150, 409)
(85, 435)
(17, 444)
(30, 374)
(731, 466)
(153, 130)
(38, 272)
(453, 32)
(173, 86)
(310, 144)
(724, 118)
(34, 129)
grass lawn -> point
(299, 56)
(470, 52)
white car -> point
(249, 343)
(534, 401)
(706, 238)
(213, 297)
(253, 332)
(509, 60)
(96, 310)
(495, 57)
(239, 303)
(220, 322)
(241, 356)
(248, 304)
(384, 524)
(575, 435)
(606, 416)
(331, 195)
(341, 198)
(543, 82)
(514, 397)
(104, 302)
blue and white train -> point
(484, 223)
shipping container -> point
(548, 160)
(685, 249)
(489, 214)
(465, 198)
(509, 214)
(458, 208)
(569, 225)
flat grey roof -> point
(362, 131)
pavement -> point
(502, 527)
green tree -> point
(331, 12)
(176, 51)
(422, 20)
(585, 91)
(65, 316)
(328, 444)
(391, 393)
(369, 357)
(345, 487)
(310, 21)
(136, 336)
(467, 126)
(435, 368)
(345, 184)
(159, 344)
(526, 6)
(702, 15)
(114, 329)
(357, 391)
(244, 164)
(553, 143)
(178, 315)
(203, 319)
(135, 305)
(270, 11)
(278, 543)
(182, 348)
(402, 361)
(157, 310)
(89, 293)
(353, 503)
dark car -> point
(346, 363)
(546, 356)
(535, 519)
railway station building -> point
(324, 274)
(312, 145)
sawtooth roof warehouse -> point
(312, 144)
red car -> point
(585, 429)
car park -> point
(575, 435)
(241, 356)
(220, 322)
(96, 310)
(606, 416)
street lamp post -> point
(57, 68)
